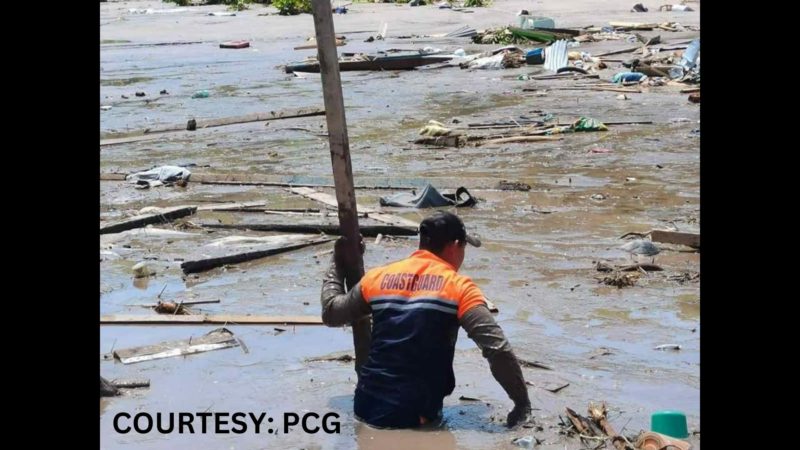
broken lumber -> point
(209, 123)
(214, 340)
(371, 212)
(202, 265)
(165, 216)
(327, 228)
(441, 141)
(208, 319)
(520, 139)
(131, 383)
(674, 237)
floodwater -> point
(536, 264)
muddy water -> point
(537, 263)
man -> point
(417, 305)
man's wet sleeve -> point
(487, 334)
(340, 308)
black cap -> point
(442, 227)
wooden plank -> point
(236, 206)
(513, 139)
(210, 123)
(372, 213)
(617, 52)
(167, 215)
(673, 237)
(208, 319)
(342, 168)
(327, 228)
(125, 140)
(257, 180)
(214, 340)
(202, 265)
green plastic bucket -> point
(671, 423)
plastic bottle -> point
(201, 94)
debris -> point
(429, 197)
(619, 279)
(587, 124)
(469, 399)
(534, 364)
(622, 97)
(694, 98)
(520, 139)
(105, 107)
(204, 319)
(315, 228)
(201, 94)
(140, 94)
(131, 383)
(434, 128)
(675, 8)
(663, 347)
(626, 77)
(215, 340)
(554, 389)
(339, 358)
(171, 308)
(639, 8)
(163, 216)
(674, 237)
(235, 44)
(513, 186)
(598, 197)
(555, 56)
(286, 243)
(525, 442)
(650, 440)
(142, 270)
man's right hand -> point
(519, 415)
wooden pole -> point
(340, 159)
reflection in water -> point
(369, 438)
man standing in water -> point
(417, 305)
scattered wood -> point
(339, 358)
(599, 414)
(214, 340)
(441, 141)
(131, 383)
(633, 26)
(663, 347)
(372, 212)
(535, 364)
(554, 389)
(233, 206)
(674, 237)
(567, 76)
(204, 319)
(619, 279)
(201, 265)
(617, 52)
(327, 228)
(512, 139)
(184, 303)
(210, 123)
(513, 186)
(164, 216)
(171, 308)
